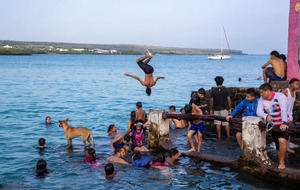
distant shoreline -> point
(8, 47)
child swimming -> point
(137, 139)
(41, 168)
(109, 171)
(42, 143)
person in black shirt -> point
(201, 100)
(220, 104)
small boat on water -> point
(218, 57)
(221, 56)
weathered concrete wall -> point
(159, 127)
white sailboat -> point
(221, 56)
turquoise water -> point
(92, 91)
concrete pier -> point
(158, 129)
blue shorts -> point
(197, 127)
(270, 74)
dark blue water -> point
(92, 91)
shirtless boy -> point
(148, 69)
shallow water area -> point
(92, 91)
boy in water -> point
(48, 120)
(118, 158)
(197, 127)
(173, 156)
(272, 106)
(140, 114)
(220, 104)
(112, 129)
(277, 71)
(290, 93)
(250, 104)
(148, 69)
(179, 124)
(109, 170)
(42, 143)
(41, 168)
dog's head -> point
(64, 123)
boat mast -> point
(226, 40)
(221, 41)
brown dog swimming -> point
(73, 132)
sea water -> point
(92, 91)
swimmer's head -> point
(41, 166)
(172, 108)
(219, 80)
(182, 110)
(126, 148)
(112, 128)
(127, 138)
(187, 109)
(294, 83)
(120, 152)
(132, 116)
(265, 90)
(42, 142)
(173, 153)
(283, 57)
(160, 158)
(136, 156)
(148, 91)
(139, 105)
(109, 169)
(251, 94)
(201, 93)
(48, 120)
(92, 153)
(274, 54)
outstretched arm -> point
(157, 78)
(135, 77)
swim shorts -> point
(197, 127)
(270, 74)
(283, 134)
(148, 69)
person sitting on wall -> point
(277, 71)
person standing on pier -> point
(290, 93)
(220, 104)
(148, 69)
(272, 106)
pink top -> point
(159, 164)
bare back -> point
(196, 111)
(278, 66)
(140, 115)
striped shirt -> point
(277, 108)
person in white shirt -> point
(290, 93)
(272, 106)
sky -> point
(254, 26)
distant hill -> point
(56, 47)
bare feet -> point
(281, 166)
(290, 151)
(191, 150)
(148, 53)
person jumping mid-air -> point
(148, 69)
